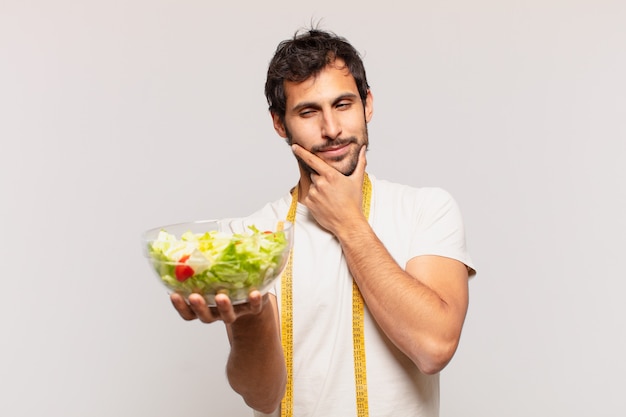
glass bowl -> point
(233, 256)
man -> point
(373, 306)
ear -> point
(369, 106)
(279, 126)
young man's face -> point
(325, 115)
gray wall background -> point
(120, 116)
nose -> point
(331, 127)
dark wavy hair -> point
(304, 56)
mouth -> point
(334, 152)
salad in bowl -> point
(232, 256)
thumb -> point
(362, 162)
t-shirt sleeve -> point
(439, 228)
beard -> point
(351, 160)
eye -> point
(307, 113)
(344, 105)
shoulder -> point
(418, 198)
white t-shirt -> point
(410, 222)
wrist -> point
(356, 228)
(254, 324)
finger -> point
(229, 313)
(362, 159)
(224, 308)
(256, 301)
(361, 163)
(312, 160)
(198, 305)
(182, 307)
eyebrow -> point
(315, 105)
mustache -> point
(334, 144)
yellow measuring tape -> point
(358, 336)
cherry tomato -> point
(183, 272)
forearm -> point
(423, 323)
(256, 365)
